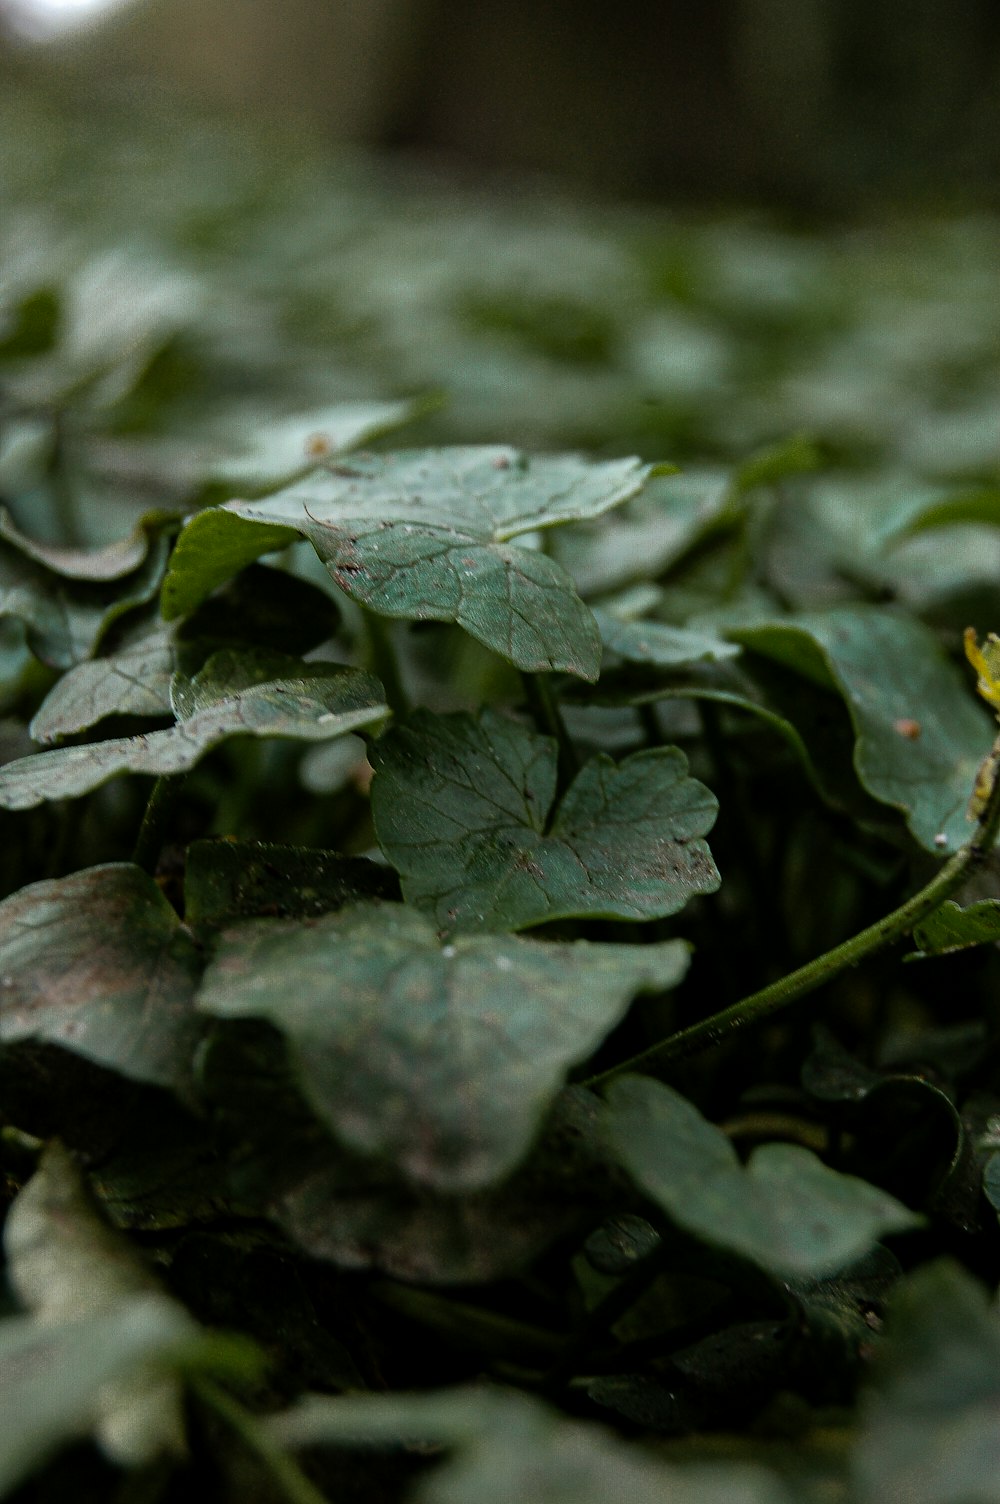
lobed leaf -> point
(463, 808)
(427, 535)
(786, 1210)
(439, 1058)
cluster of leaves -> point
(467, 772)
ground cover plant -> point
(497, 816)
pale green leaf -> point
(952, 927)
(134, 680)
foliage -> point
(411, 856)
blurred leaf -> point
(232, 695)
(426, 535)
(511, 1448)
(463, 809)
(269, 452)
(786, 1210)
(658, 645)
(67, 1265)
(361, 1215)
(441, 1059)
(920, 734)
(98, 565)
(99, 963)
(929, 1425)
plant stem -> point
(285, 1471)
(548, 718)
(769, 1000)
(155, 822)
(62, 484)
(384, 662)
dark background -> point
(806, 103)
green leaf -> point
(427, 535)
(235, 694)
(920, 734)
(66, 616)
(659, 645)
(114, 561)
(647, 535)
(929, 1426)
(134, 680)
(786, 1210)
(440, 1058)
(68, 1266)
(952, 927)
(213, 546)
(463, 809)
(98, 963)
(267, 452)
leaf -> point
(231, 696)
(52, 1378)
(986, 661)
(786, 1210)
(929, 1425)
(650, 532)
(114, 561)
(952, 927)
(659, 645)
(511, 1448)
(65, 617)
(345, 1208)
(67, 1265)
(269, 452)
(212, 546)
(920, 735)
(135, 680)
(98, 963)
(463, 809)
(229, 880)
(427, 535)
(439, 1058)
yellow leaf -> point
(986, 661)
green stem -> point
(769, 1000)
(384, 662)
(156, 821)
(285, 1471)
(548, 718)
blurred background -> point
(808, 103)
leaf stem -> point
(384, 661)
(62, 484)
(548, 718)
(894, 926)
(285, 1471)
(156, 821)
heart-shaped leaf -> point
(427, 535)
(441, 1058)
(786, 1210)
(463, 808)
(98, 962)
